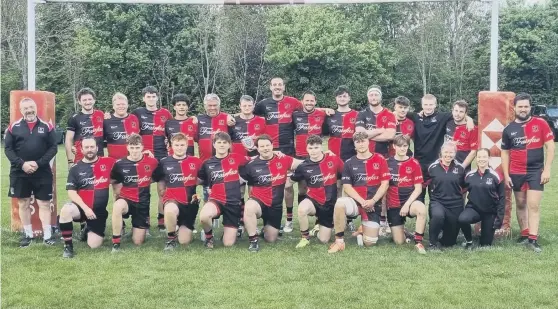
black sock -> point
(289, 214)
(253, 237)
(209, 234)
(418, 237)
(115, 239)
(171, 235)
(305, 234)
(340, 235)
(66, 229)
(82, 225)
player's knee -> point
(94, 244)
(270, 237)
(185, 240)
(138, 240)
(324, 239)
(170, 208)
(229, 242)
(533, 207)
(302, 210)
(369, 240)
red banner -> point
(495, 112)
(45, 111)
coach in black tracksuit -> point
(446, 197)
(486, 204)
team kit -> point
(367, 171)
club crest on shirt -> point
(147, 168)
(231, 161)
(352, 120)
(221, 122)
(535, 128)
(489, 181)
(99, 119)
(163, 118)
(384, 118)
(329, 164)
(257, 126)
(190, 128)
(455, 170)
(134, 125)
(463, 134)
(279, 165)
(408, 169)
(41, 130)
(376, 166)
(103, 167)
(287, 106)
(409, 127)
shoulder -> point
(15, 124)
(494, 174)
(108, 160)
(471, 173)
(434, 164)
(378, 157)
(414, 161)
(49, 126)
(266, 101)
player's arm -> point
(10, 151)
(346, 179)
(474, 144)
(328, 111)
(360, 126)
(389, 131)
(69, 139)
(382, 190)
(51, 151)
(549, 158)
(469, 159)
(72, 187)
(505, 156)
(115, 175)
(202, 175)
(76, 199)
(296, 163)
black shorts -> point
(271, 215)
(394, 218)
(186, 214)
(231, 213)
(98, 225)
(288, 150)
(529, 181)
(324, 213)
(139, 213)
(373, 216)
(24, 187)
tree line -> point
(407, 48)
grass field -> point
(507, 276)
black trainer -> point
(522, 240)
(208, 243)
(83, 233)
(468, 245)
(68, 252)
(162, 228)
(50, 242)
(239, 231)
(115, 248)
(170, 245)
(25, 242)
(254, 246)
(433, 247)
(534, 245)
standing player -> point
(465, 140)
(405, 186)
(365, 181)
(221, 174)
(134, 173)
(404, 125)
(181, 123)
(525, 168)
(321, 172)
(87, 123)
(179, 172)
(30, 144)
(152, 130)
(267, 177)
(88, 190)
(247, 128)
(119, 126)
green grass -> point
(507, 276)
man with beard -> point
(525, 168)
(88, 189)
(30, 144)
(87, 123)
(119, 126)
(465, 140)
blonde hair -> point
(119, 96)
(448, 144)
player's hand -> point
(329, 111)
(89, 213)
(107, 115)
(497, 223)
(230, 121)
(369, 205)
(404, 210)
(194, 120)
(27, 168)
(545, 177)
(470, 124)
(508, 181)
(74, 150)
(149, 153)
(421, 113)
(195, 198)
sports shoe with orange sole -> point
(358, 231)
(336, 247)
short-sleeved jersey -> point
(180, 176)
(152, 129)
(369, 120)
(525, 142)
(267, 179)
(87, 126)
(404, 127)
(222, 176)
(465, 140)
(188, 127)
(116, 131)
(278, 119)
(207, 127)
(91, 181)
(366, 176)
(341, 127)
(321, 178)
(306, 124)
(404, 176)
(447, 183)
(486, 190)
(246, 128)
(135, 178)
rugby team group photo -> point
(385, 164)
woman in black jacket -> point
(486, 201)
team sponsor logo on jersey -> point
(518, 141)
(181, 178)
(119, 135)
(206, 131)
(267, 179)
(489, 181)
(362, 177)
(92, 181)
(219, 175)
(341, 130)
(147, 126)
(136, 179)
(396, 178)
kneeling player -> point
(134, 173)
(179, 172)
(365, 181)
(221, 174)
(88, 189)
(320, 172)
(266, 176)
(405, 186)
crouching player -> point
(365, 180)
(88, 190)
(179, 172)
(405, 186)
(320, 172)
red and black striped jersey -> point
(245, 128)
(306, 124)
(278, 119)
(321, 178)
(152, 129)
(366, 176)
(267, 179)
(180, 176)
(447, 183)
(465, 140)
(368, 120)
(188, 127)
(86, 126)
(341, 127)
(116, 131)
(207, 127)
(135, 178)
(525, 142)
(404, 175)
(403, 127)
(91, 181)
(222, 176)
